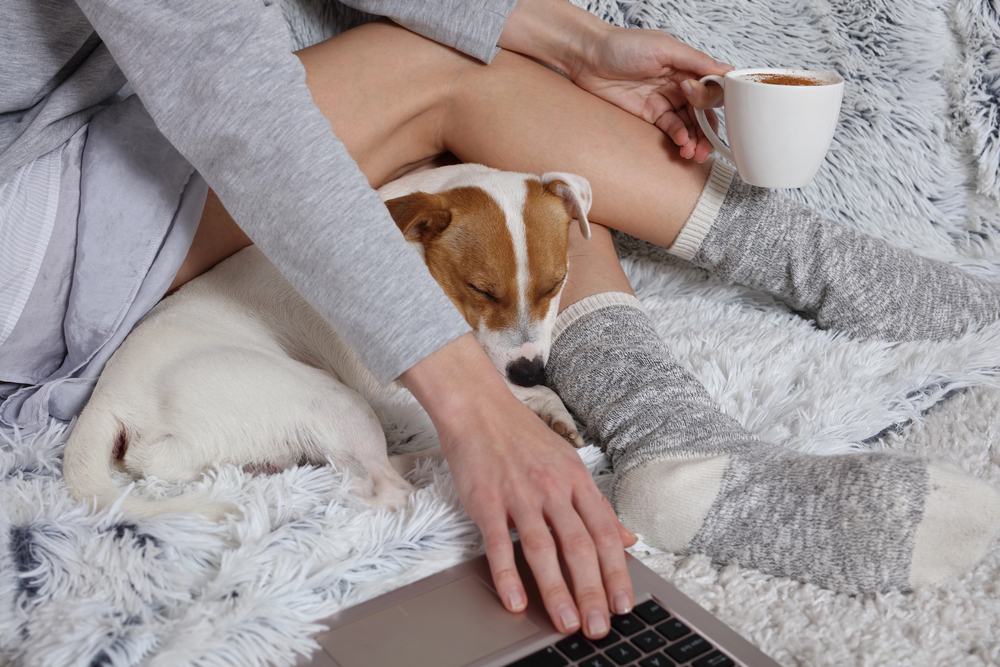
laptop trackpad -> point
(431, 629)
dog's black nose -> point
(525, 372)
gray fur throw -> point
(915, 160)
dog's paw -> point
(564, 427)
(546, 404)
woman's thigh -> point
(387, 93)
(396, 100)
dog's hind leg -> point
(361, 452)
(260, 410)
(338, 426)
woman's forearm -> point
(553, 31)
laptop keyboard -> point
(647, 637)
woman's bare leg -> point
(593, 267)
(519, 116)
(397, 100)
(513, 114)
(217, 238)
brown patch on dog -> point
(121, 444)
(471, 255)
(546, 222)
(420, 215)
(262, 468)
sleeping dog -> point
(237, 368)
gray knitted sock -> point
(840, 277)
(690, 479)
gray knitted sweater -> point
(219, 79)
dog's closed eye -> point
(484, 291)
(556, 284)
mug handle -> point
(706, 127)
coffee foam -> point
(783, 79)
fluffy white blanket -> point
(916, 160)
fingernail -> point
(621, 603)
(596, 625)
(515, 599)
(686, 87)
(727, 66)
(568, 618)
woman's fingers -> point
(500, 554)
(541, 552)
(539, 497)
(682, 126)
(609, 538)
(557, 511)
(585, 575)
(680, 132)
(702, 96)
(686, 134)
(586, 536)
(685, 58)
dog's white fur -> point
(234, 368)
(237, 368)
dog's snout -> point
(526, 372)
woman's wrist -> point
(453, 382)
(553, 31)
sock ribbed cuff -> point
(704, 213)
(588, 305)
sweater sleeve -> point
(219, 79)
(470, 26)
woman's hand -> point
(646, 72)
(649, 73)
(511, 470)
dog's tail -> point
(98, 440)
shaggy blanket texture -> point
(915, 160)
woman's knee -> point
(386, 92)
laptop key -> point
(688, 648)
(623, 653)
(648, 641)
(673, 629)
(651, 612)
(713, 659)
(627, 624)
(611, 638)
(575, 647)
(596, 661)
(658, 660)
(547, 657)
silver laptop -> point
(455, 619)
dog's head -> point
(497, 243)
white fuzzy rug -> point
(916, 160)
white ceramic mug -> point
(779, 134)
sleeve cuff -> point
(470, 26)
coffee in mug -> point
(787, 79)
(779, 123)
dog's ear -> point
(420, 216)
(576, 195)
